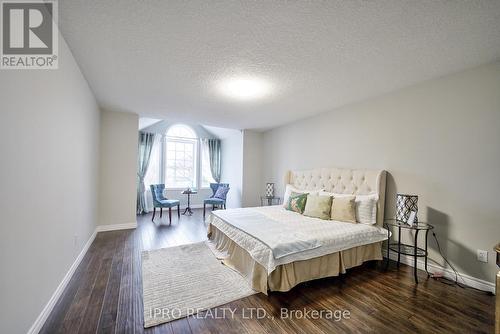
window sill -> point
(179, 189)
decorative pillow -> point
(366, 206)
(318, 206)
(366, 209)
(344, 209)
(289, 189)
(221, 192)
(296, 202)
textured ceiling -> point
(162, 59)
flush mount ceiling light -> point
(245, 88)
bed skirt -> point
(286, 276)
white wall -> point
(439, 139)
(49, 133)
(253, 183)
(232, 167)
(118, 168)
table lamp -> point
(405, 204)
(269, 189)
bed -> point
(276, 249)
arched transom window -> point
(181, 157)
(181, 131)
(180, 160)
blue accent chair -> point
(160, 201)
(215, 201)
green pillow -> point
(296, 202)
(318, 206)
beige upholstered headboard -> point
(343, 181)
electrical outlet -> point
(482, 255)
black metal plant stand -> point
(405, 249)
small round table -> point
(270, 200)
(189, 192)
(405, 249)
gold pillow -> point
(344, 209)
(318, 206)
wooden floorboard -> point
(109, 311)
(105, 295)
(125, 314)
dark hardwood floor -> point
(105, 295)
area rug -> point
(183, 280)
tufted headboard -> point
(343, 181)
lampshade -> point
(269, 189)
(404, 205)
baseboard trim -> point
(116, 227)
(192, 206)
(40, 321)
(465, 279)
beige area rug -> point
(182, 280)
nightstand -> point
(266, 200)
(405, 249)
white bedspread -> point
(333, 236)
(282, 238)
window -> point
(179, 160)
(181, 131)
(181, 157)
(206, 173)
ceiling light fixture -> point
(245, 88)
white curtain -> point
(214, 150)
(145, 147)
(153, 173)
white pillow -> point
(289, 189)
(366, 207)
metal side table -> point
(405, 249)
(189, 192)
(269, 200)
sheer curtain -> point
(206, 173)
(153, 174)
(146, 141)
(214, 153)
